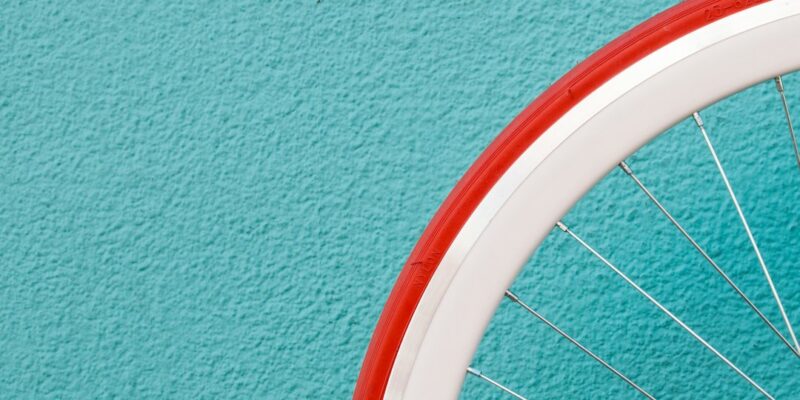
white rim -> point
(565, 162)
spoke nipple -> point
(511, 296)
(697, 119)
(561, 226)
(474, 371)
(626, 168)
(779, 83)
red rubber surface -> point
(501, 154)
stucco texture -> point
(213, 199)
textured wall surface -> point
(212, 200)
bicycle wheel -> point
(563, 143)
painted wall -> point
(213, 199)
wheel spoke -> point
(513, 297)
(779, 85)
(699, 122)
(625, 167)
(479, 374)
(666, 311)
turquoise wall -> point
(213, 199)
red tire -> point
(523, 131)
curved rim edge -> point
(520, 134)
